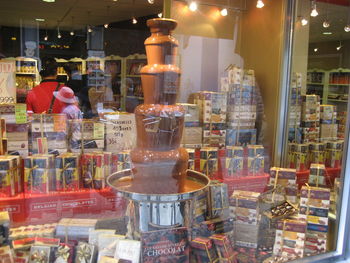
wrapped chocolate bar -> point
(217, 200)
(85, 253)
(92, 170)
(40, 254)
(234, 161)
(245, 207)
(63, 253)
(128, 250)
(209, 161)
(4, 228)
(200, 207)
(216, 226)
(121, 161)
(317, 175)
(212, 106)
(214, 134)
(67, 172)
(75, 228)
(256, 160)
(203, 250)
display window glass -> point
(173, 131)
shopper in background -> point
(66, 96)
(78, 83)
(40, 99)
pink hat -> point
(65, 94)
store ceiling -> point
(93, 12)
(338, 16)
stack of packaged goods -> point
(49, 133)
(192, 132)
(93, 170)
(317, 153)
(298, 157)
(286, 178)
(334, 152)
(256, 160)
(328, 123)
(209, 161)
(310, 118)
(294, 134)
(120, 161)
(191, 158)
(39, 174)
(86, 136)
(317, 175)
(245, 210)
(234, 162)
(67, 172)
(241, 108)
(3, 139)
(314, 208)
(11, 182)
(290, 239)
(212, 115)
(341, 120)
(15, 116)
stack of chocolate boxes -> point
(209, 161)
(245, 210)
(341, 120)
(15, 117)
(334, 150)
(241, 108)
(256, 160)
(317, 152)
(212, 115)
(310, 118)
(67, 172)
(93, 170)
(286, 178)
(234, 161)
(317, 175)
(298, 156)
(86, 135)
(49, 131)
(314, 208)
(294, 134)
(328, 123)
(11, 182)
(290, 239)
(192, 133)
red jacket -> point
(39, 98)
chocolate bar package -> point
(67, 172)
(203, 250)
(107, 244)
(317, 175)
(209, 161)
(212, 106)
(191, 153)
(282, 176)
(192, 135)
(200, 207)
(63, 253)
(92, 170)
(42, 254)
(256, 160)
(4, 228)
(75, 228)
(234, 161)
(7, 178)
(216, 226)
(120, 161)
(128, 250)
(245, 207)
(169, 245)
(223, 245)
(217, 200)
(315, 197)
(85, 253)
(240, 137)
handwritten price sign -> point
(7, 81)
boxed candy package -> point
(234, 161)
(67, 172)
(217, 200)
(203, 250)
(245, 207)
(209, 161)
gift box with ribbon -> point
(203, 250)
(85, 253)
(234, 161)
(63, 253)
(67, 172)
(209, 161)
(256, 160)
(92, 170)
(317, 175)
(218, 205)
(40, 254)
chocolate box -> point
(217, 199)
(240, 136)
(204, 250)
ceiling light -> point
(326, 24)
(315, 49)
(13, 38)
(259, 4)
(339, 47)
(49, 1)
(89, 29)
(115, 0)
(347, 28)
(71, 33)
(313, 9)
(193, 6)
(327, 33)
(304, 21)
(223, 12)
(160, 15)
(59, 35)
(46, 38)
(134, 20)
(106, 25)
(40, 19)
(151, 2)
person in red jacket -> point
(40, 98)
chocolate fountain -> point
(159, 185)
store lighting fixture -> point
(314, 12)
(160, 15)
(89, 29)
(49, 1)
(134, 20)
(106, 25)
(46, 38)
(58, 32)
(193, 6)
(71, 33)
(326, 24)
(315, 49)
(327, 33)
(224, 12)
(347, 28)
(340, 46)
(260, 4)
(13, 38)
(40, 19)
(59, 35)
(304, 21)
(151, 2)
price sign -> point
(20, 113)
(99, 131)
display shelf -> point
(315, 83)
(25, 73)
(134, 97)
(336, 100)
(335, 84)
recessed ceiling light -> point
(40, 19)
(327, 33)
(315, 49)
(49, 1)
(13, 38)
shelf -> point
(134, 76)
(135, 97)
(315, 83)
(332, 84)
(336, 100)
(25, 73)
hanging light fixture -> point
(326, 23)
(72, 31)
(347, 28)
(46, 36)
(160, 15)
(89, 29)
(58, 30)
(260, 4)
(314, 12)
(223, 12)
(134, 20)
(151, 2)
(315, 49)
(193, 6)
(304, 21)
(340, 46)
(107, 25)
